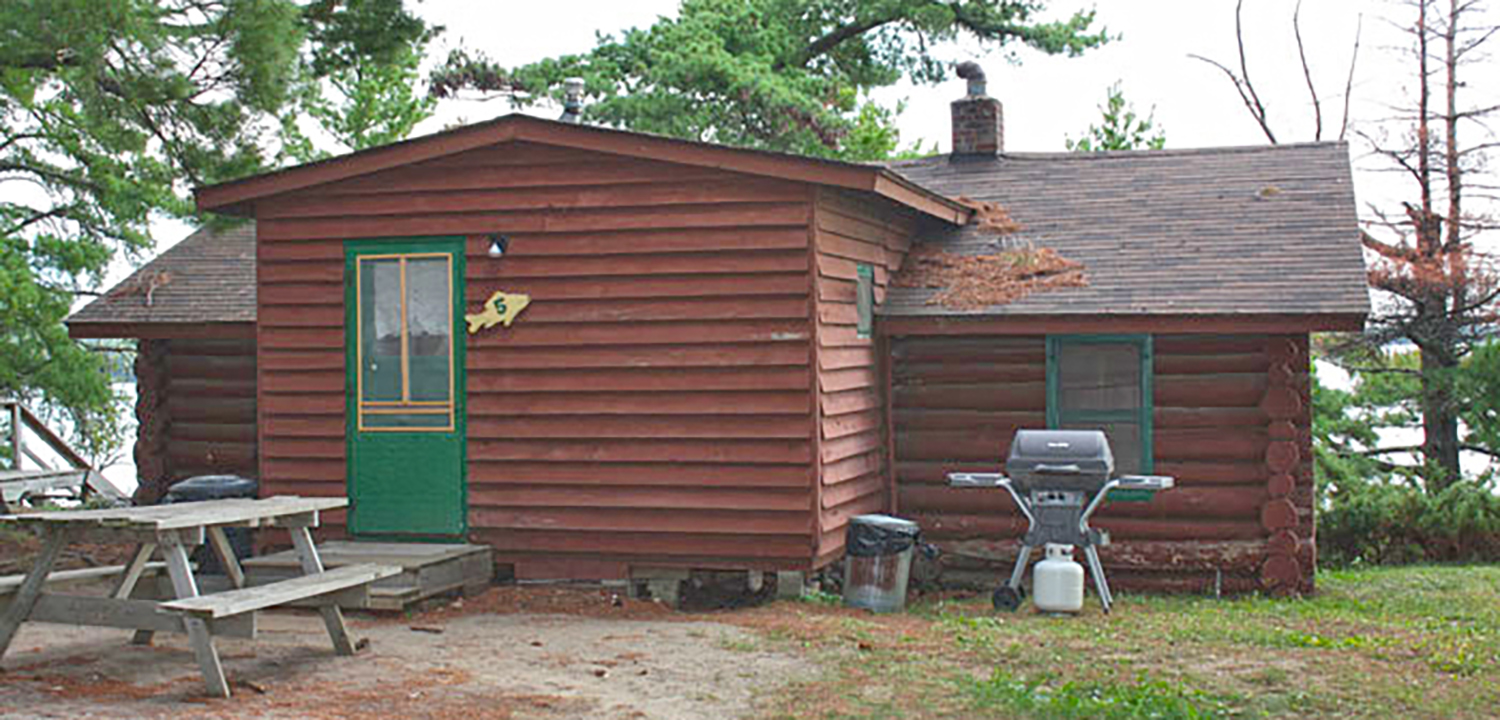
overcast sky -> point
(1046, 97)
(1050, 99)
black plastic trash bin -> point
(217, 487)
(877, 563)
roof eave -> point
(896, 188)
(237, 197)
(1041, 324)
(145, 330)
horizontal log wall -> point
(195, 409)
(1231, 424)
(852, 431)
(652, 406)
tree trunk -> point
(153, 422)
(1439, 423)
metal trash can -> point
(216, 487)
(877, 562)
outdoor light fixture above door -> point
(498, 245)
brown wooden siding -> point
(653, 405)
(195, 408)
(1233, 519)
(852, 435)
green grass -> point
(1372, 643)
(820, 597)
(1142, 699)
(1448, 616)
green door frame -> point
(353, 249)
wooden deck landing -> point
(427, 569)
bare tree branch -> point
(1481, 450)
(58, 211)
(1239, 39)
(1389, 450)
(1239, 86)
(838, 35)
(1306, 72)
(20, 137)
(1349, 83)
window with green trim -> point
(1103, 382)
(864, 299)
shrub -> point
(1383, 522)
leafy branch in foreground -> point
(109, 111)
(789, 75)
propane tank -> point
(1058, 581)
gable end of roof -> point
(237, 197)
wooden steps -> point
(426, 570)
(281, 592)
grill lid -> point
(1039, 456)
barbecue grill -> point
(1058, 478)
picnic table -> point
(174, 531)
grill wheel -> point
(1008, 598)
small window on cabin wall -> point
(1103, 382)
(864, 299)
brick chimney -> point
(978, 119)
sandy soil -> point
(494, 656)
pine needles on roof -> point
(971, 282)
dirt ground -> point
(509, 653)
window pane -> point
(429, 320)
(864, 300)
(380, 328)
(1099, 376)
(1124, 442)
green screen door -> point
(404, 301)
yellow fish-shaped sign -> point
(501, 309)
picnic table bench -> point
(172, 530)
(9, 584)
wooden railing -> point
(17, 481)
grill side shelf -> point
(977, 480)
(1140, 488)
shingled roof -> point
(207, 281)
(1223, 231)
(1212, 232)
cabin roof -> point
(202, 284)
(1263, 231)
(238, 197)
(1243, 230)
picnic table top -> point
(178, 516)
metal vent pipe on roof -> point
(572, 100)
(974, 73)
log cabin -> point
(689, 356)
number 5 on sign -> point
(501, 309)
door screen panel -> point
(380, 330)
(429, 323)
(405, 342)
